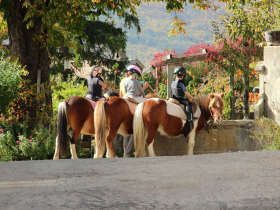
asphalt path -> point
(241, 180)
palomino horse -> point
(151, 116)
(78, 113)
(113, 116)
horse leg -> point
(191, 140)
(151, 149)
(109, 142)
(150, 141)
(73, 141)
(56, 154)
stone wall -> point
(228, 136)
(272, 82)
(269, 72)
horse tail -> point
(100, 128)
(139, 131)
(62, 129)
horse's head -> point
(216, 106)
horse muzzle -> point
(217, 119)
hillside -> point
(155, 24)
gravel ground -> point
(241, 180)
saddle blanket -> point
(93, 103)
(175, 110)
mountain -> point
(155, 25)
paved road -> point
(242, 180)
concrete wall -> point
(229, 136)
(272, 82)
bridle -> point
(209, 123)
(219, 115)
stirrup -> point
(192, 118)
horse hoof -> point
(55, 158)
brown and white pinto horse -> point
(151, 116)
(113, 116)
(78, 113)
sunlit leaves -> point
(178, 27)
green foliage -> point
(10, 78)
(63, 90)
(269, 136)
(103, 40)
(226, 107)
(19, 142)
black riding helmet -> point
(180, 70)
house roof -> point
(135, 62)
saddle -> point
(174, 108)
(132, 104)
(129, 99)
(174, 101)
(175, 111)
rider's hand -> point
(145, 86)
(191, 98)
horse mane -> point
(152, 95)
(111, 93)
(203, 101)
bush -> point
(63, 90)
(270, 134)
(10, 78)
(18, 142)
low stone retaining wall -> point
(228, 136)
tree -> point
(240, 32)
(34, 26)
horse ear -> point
(211, 96)
(222, 95)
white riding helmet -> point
(94, 70)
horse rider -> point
(95, 84)
(122, 83)
(178, 91)
(128, 141)
(132, 86)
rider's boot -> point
(190, 116)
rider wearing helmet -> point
(178, 91)
(132, 86)
(95, 84)
(122, 83)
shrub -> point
(63, 90)
(18, 142)
(10, 77)
(269, 136)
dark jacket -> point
(94, 89)
(176, 91)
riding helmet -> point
(94, 70)
(134, 69)
(180, 70)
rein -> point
(207, 125)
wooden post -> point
(170, 78)
(38, 80)
(157, 79)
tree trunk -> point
(245, 80)
(25, 46)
